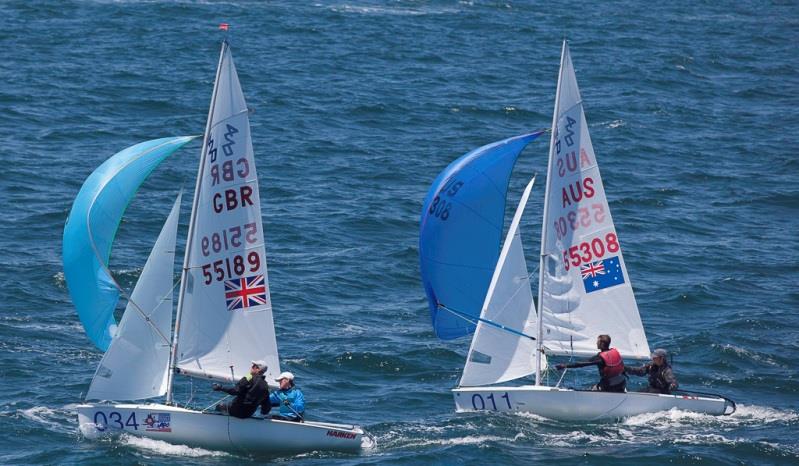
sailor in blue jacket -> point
(289, 398)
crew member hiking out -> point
(610, 364)
(250, 392)
(661, 377)
(289, 398)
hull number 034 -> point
(115, 420)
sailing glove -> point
(216, 387)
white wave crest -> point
(744, 353)
(389, 11)
(466, 440)
(706, 439)
(426, 435)
(166, 448)
(531, 416)
(744, 416)
(56, 420)
(368, 442)
(605, 437)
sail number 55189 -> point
(230, 267)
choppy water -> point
(692, 109)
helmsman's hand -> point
(560, 367)
(216, 387)
(286, 402)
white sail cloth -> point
(225, 311)
(585, 287)
(136, 363)
(497, 354)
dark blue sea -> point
(358, 105)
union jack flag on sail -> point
(245, 292)
(592, 269)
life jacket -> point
(657, 378)
(614, 366)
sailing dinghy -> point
(224, 313)
(583, 287)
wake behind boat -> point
(224, 316)
(583, 289)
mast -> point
(545, 223)
(192, 225)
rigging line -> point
(571, 357)
(145, 316)
(475, 320)
(530, 275)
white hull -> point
(575, 405)
(215, 431)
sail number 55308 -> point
(589, 251)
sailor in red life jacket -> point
(610, 364)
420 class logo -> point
(158, 422)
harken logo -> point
(340, 434)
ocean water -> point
(358, 105)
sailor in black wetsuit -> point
(250, 393)
(661, 377)
(610, 365)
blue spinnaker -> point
(92, 225)
(461, 232)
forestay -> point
(225, 310)
(585, 289)
(135, 365)
(497, 354)
(92, 226)
(460, 233)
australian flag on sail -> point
(245, 292)
(602, 274)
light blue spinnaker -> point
(461, 232)
(91, 228)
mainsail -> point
(503, 347)
(135, 365)
(584, 289)
(460, 233)
(92, 226)
(224, 310)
